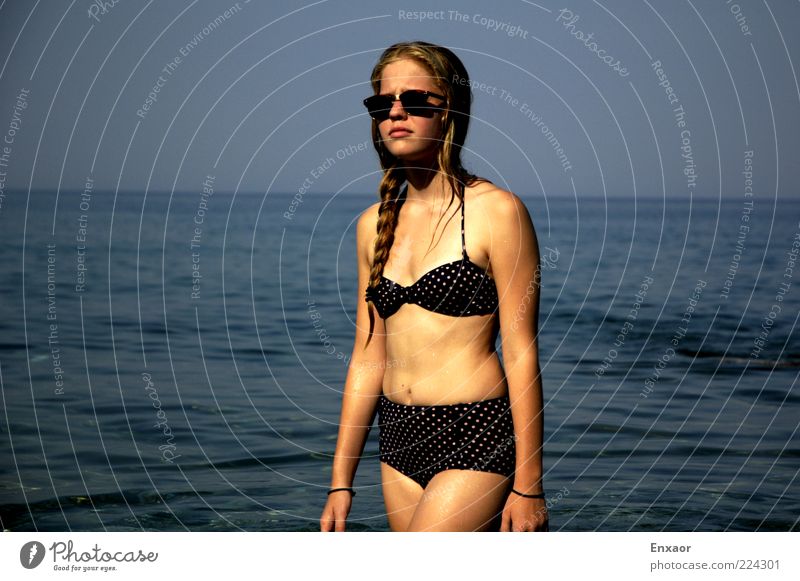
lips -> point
(399, 132)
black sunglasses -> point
(414, 101)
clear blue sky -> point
(261, 95)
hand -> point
(335, 512)
(522, 514)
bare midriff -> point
(435, 359)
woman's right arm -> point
(362, 387)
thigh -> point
(462, 500)
(400, 495)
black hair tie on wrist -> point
(540, 495)
(350, 490)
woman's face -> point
(410, 137)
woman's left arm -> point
(515, 265)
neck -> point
(426, 182)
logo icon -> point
(31, 554)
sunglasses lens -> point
(414, 103)
(378, 106)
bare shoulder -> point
(368, 222)
(366, 230)
(369, 217)
(500, 207)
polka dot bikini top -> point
(458, 289)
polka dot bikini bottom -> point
(421, 441)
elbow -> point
(522, 360)
(524, 354)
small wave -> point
(740, 362)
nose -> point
(397, 111)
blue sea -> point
(175, 361)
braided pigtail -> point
(391, 202)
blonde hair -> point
(452, 80)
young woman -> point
(460, 433)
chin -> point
(407, 153)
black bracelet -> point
(541, 495)
(352, 492)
